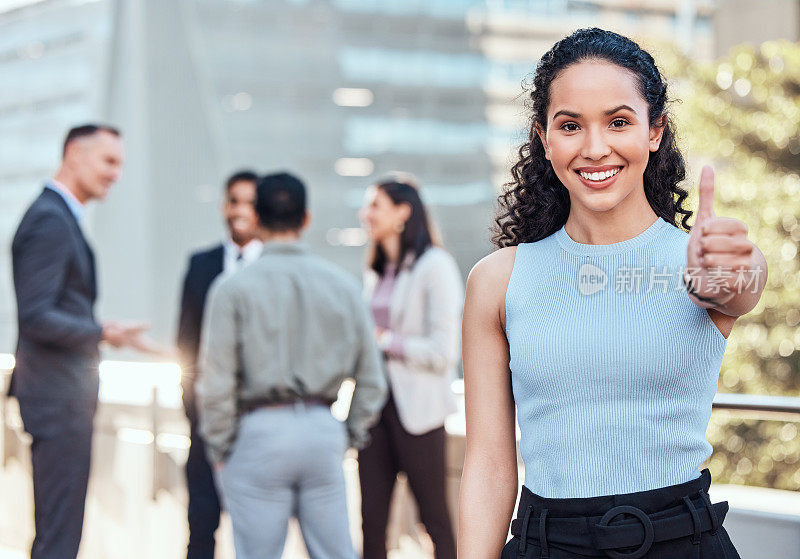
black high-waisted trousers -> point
(675, 522)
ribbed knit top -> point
(613, 381)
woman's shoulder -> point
(488, 282)
(494, 269)
(671, 243)
(673, 231)
(434, 253)
(435, 257)
(437, 266)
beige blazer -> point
(425, 311)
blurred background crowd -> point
(342, 92)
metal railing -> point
(151, 414)
(757, 404)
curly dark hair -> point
(535, 203)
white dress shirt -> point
(237, 257)
(75, 206)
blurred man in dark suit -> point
(240, 248)
(56, 377)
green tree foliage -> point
(742, 115)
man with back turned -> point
(278, 339)
(56, 378)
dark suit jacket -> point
(55, 283)
(204, 267)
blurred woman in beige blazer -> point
(415, 291)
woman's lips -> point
(598, 184)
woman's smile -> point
(598, 177)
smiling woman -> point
(582, 321)
(602, 105)
(599, 148)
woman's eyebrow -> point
(567, 113)
(608, 112)
(620, 108)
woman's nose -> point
(596, 145)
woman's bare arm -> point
(489, 480)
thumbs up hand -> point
(718, 251)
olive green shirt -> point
(290, 325)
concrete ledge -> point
(763, 523)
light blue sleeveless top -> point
(613, 368)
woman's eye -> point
(618, 122)
(569, 127)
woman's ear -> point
(405, 211)
(657, 132)
(543, 137)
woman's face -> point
(381, 217)
(598, 137)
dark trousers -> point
(204, 507)
(422, 457)
(61, 455)
(674, 522)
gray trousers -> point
(287, 461)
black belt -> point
(597, 533)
